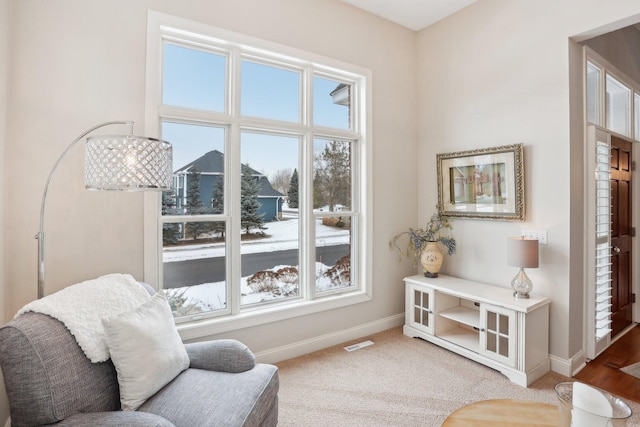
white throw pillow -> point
(146, 350)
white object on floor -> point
(359, 345)
(590, 407)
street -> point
(208, 270)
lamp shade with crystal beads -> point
(128, 163)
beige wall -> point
(77, 63)
(4, 58)
(498, 73)
(622, 49)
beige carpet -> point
(398, 381)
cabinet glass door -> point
(498, 334)
(420, 308)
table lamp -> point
(522, 253)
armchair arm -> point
(220, 355)
(115, 419)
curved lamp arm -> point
(40, 235)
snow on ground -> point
(282, 235)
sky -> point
(195, 79)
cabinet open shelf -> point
(464, 315)
(462, 337)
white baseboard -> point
(568, 367)
(318, 343)
(578, 362)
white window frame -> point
(161, 26)
(606, 69)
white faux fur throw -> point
(81, 308)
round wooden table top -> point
(504, 412)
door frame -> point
(590, 55)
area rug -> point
(633, 370)
(398, 381)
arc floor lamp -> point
(114, 162)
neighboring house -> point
(211, 169)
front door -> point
(621, 233)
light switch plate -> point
(539, 235)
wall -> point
(77, 63)
(622, 49)
(497, 73)
(4, 60)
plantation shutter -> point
(599, 273)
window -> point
(268, 215)
(612, 100)
(618, 106)
(593, 94)
(636, 115)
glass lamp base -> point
(521, 285)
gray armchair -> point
(49, 380)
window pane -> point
(593, 94)
(331, 103)
(618, 99)
(333, 253)
(198, 161)
(193, 78)
(636, 111)
(270, 92)
(332, 175)
(270, 232)
(194, 267)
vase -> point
(431, 259)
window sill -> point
(203, 328)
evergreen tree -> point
(333, 175)
(170, 231)
(195, 206)
(217, 197)
(249, 204)
(319, 198)
(217, 205)
(292, 195)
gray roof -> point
(213, 163)
(266, 189)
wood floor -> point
(604, 372)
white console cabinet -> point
(482, 322)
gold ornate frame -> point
(486, 183)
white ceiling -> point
(413, 14)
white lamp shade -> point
(128, 162)
(522, 252)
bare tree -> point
(280, 180)
(332, 176)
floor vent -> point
(358, 346)
(613, 365)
